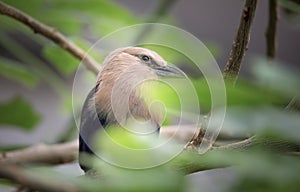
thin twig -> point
(271, 43)
(52, 34)
(272, 29)
(270, 143)
(293, 104)
(240, 44)
(241, 145)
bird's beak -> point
(170, 71)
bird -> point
(115, 96)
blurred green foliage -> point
(18, 112)
(85, 20)
(17, 72)
(254, 106)
(82, 21)
(116, 179)
(56, 55)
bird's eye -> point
(145, 58)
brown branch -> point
(269, 143)
(48, 154)
(193, 162)
(240, 44)
(21, 176)
(241, 145)
(68, 152)
(272, 29)
(188, 162)
(52, 34)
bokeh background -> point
(36, 76)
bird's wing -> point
(89, 124)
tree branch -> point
(272, 29)
(68, 152)
(21, 176)
(187, 162)
(192, 162)
(240, 44)
(52, 34)
(48, 154)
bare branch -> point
(198, 162)
(48, 154)
(68, 152)
(241, 145)
(270, 143)
(240, 44)
(52, 34)
(272, 29)
(188, 162)
(19, 175)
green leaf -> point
(17, 72)
(32, 8)
(111, 179)
(65, 21)
(19, 112)
(214, 48)
(263, 121)
(244, 93)
(62, 60)
(103, 7)
(102, 16)
(254, 174)
(274, 76)
(290, 5)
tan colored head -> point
(137, 59)
(124, 69)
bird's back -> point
(90, 122)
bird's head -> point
(138, 61)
